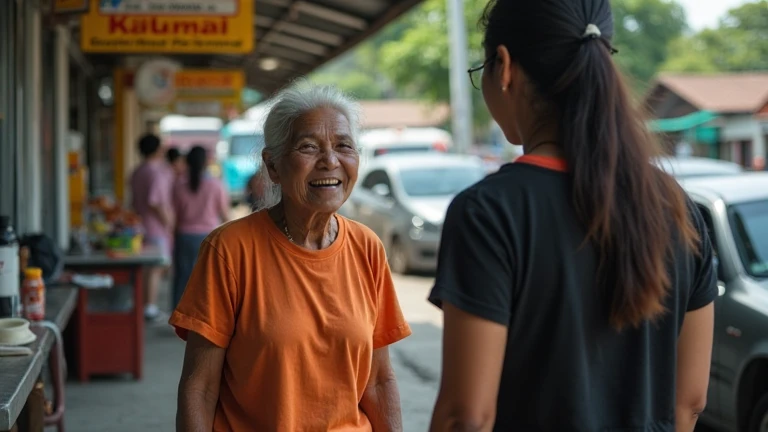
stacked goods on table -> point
(115, 230)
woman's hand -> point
(381, 399)
(473, 356)
(199, 385)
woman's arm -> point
(473, 356)
(199, 385)
(694, 355)
(381, 399)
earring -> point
(503, 88)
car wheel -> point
(398, 257)
(759, 418)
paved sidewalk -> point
(122, 405)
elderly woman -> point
(289, 312)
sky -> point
(706, 13)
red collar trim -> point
(547, 162)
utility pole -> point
(461, 100)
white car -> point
(689, 167)
(379, 142)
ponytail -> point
(196, 162)
(634, 214)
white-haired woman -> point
(289, 311)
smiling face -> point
(319, 169)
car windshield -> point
(439, 181)
(750, 229)
(246, 145)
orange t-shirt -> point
(299, 326)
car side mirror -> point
(381, 190)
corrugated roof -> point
(405, 113)
(720, 93)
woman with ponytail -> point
(576, 283)
(201, 204)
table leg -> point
(138, 301)
(82, 336)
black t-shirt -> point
(513, 252)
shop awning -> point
(294, 37)
(684, 123)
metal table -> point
(19, 374)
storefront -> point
(44, 101)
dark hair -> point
(197, 159)
(633, 213)
(149, 144)
(172, 155)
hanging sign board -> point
(62, 7)
(202, 83)
(170, 7)
(168, 26)
(208, 92)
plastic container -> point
(9, 270)
(33, 294)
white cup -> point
(15, 331)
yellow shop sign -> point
(103, 32)
(209, 84)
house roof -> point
(719, 93)
(403, 113)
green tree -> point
(739, 43)
(418, 63)
(643, 30)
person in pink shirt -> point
(151, 185)
(200, 204)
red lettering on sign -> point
(160, 26)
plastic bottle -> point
(33, 294)
(9, 270)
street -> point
(119, 404)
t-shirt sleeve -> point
(704, 288)
(391, 325)
(210, 302)
(474, 268)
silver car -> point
(404, 198)
(689, 167)
(735, 209)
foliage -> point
(642, 31)
(740, 43)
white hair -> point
(287, 106)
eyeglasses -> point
(477, 78)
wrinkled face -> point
(319, 169)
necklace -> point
(333, 229)
(285, 230)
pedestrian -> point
(254, 190)
(576, 283)
(175, 161)
(200, 204)
(289, 311)
(151, 186)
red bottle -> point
(33, 294)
